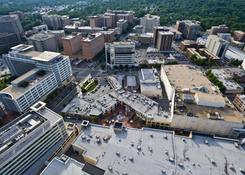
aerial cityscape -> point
(122, 87)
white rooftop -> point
(156, 152)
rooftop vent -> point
(85, 123)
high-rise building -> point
(72, 44)
(164, 41)
(8, 40)
(239, 36)
(44, 41)
(120, 54)
(217, 46)
(92, 45)
(101, 21)
(55, 22)
(218, 29)
(30, 140)
(11, 24)
(149, 22)
(188, 28)
(122, 26)
(162, 38)
(39, 73)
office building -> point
(150, 83)
(164, 41)
(217, 46)
(55, 22)
(11, 24)
(218, 29)
(43, 41)
(39, 74)
(149, 22)
(92, 45)
(120, 54)
(65, 165)
(8, 40)
(239, 102)
(122, 26)
(239, 36)
(72, 44)
(30, 140)
(189, 29)
(28, 89)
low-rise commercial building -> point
(231, 87)
(64, 165)
(30, 140)
(135, 150)
(150, 83)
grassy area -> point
(215, 81)
(4, 80)
(203, 62)
(89, 86)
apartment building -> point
(239, 102)
(92, 45)
(188, 28)
(149, 22)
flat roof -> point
(17, 91)
(234, 53)
(147, 74)
(41, 36)
(64, 165)
(150, 152)
(131, 80)
(187, 77)
(147, 107)
(18, 134)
